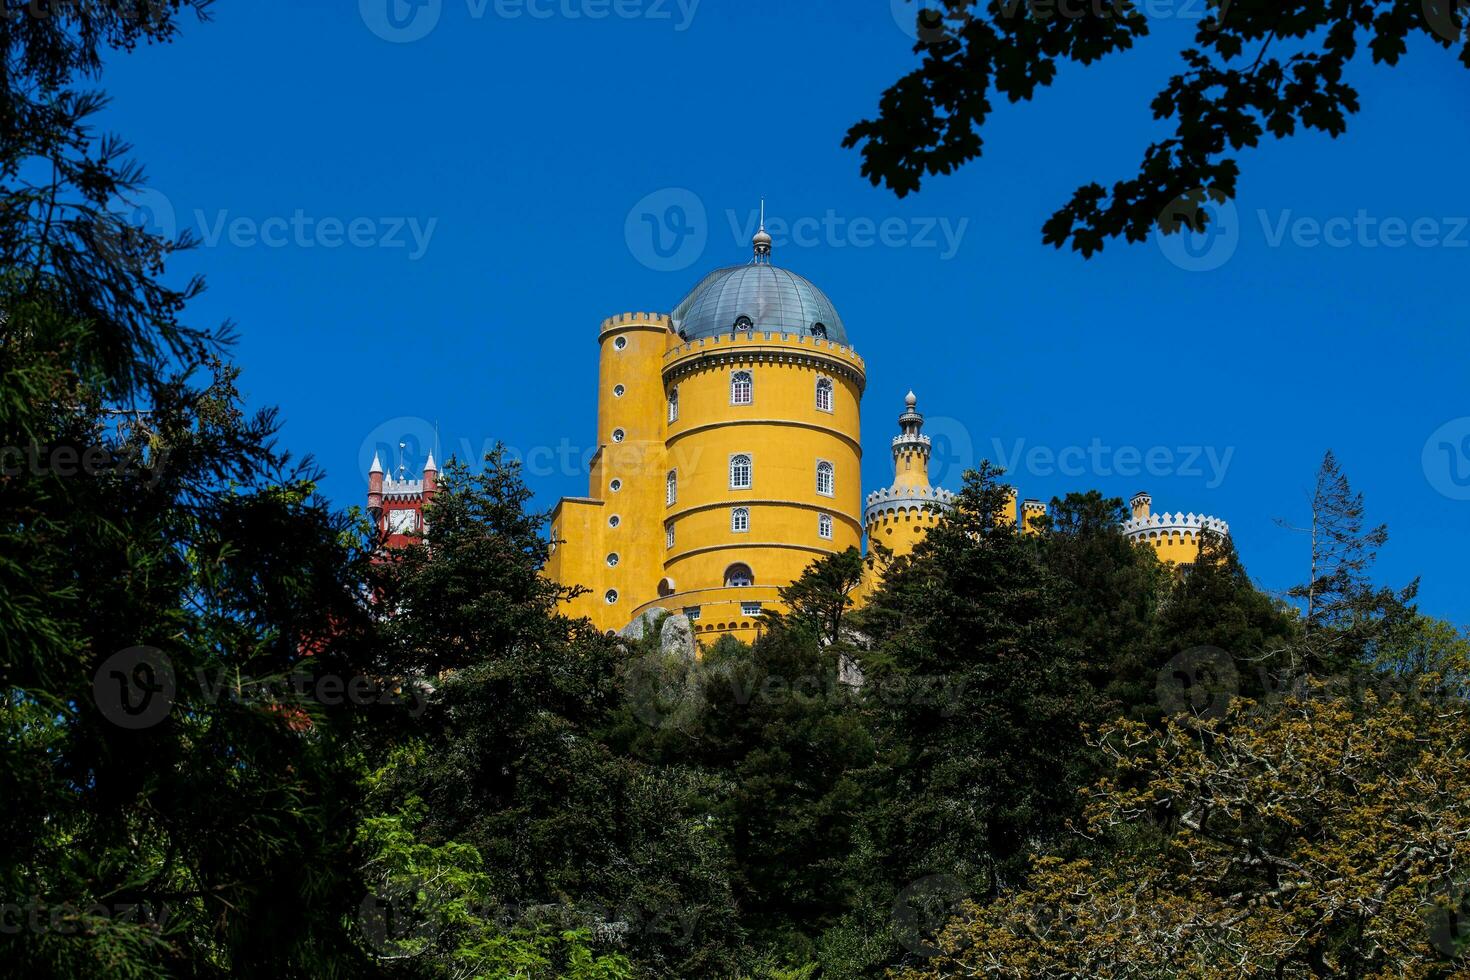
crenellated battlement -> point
(402, 489)
(881, 503)
(1169, 523)
(626, 320)
(753, 346)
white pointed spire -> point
(377, 466)
(429, 464)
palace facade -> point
(729, 460)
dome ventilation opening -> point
(743, 322)
(819, 329)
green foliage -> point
(1255, 68)
(977, 700)
(510, 793)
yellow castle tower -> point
(729, 454)
(729, 460)
(897, 517)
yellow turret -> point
(900, 516)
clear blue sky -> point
(526, 139)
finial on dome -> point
(762, 241)
(911, 399)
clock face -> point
(402, 521)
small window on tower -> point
(740, 520)
(824, 394)
(673, 404)
(740, 470)
(742, 388)
(671, 487)
(825, 479)
(669, 535)
(618, 391)
(739, 575)
(824, 526)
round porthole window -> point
(618, 391)
(620, 343)
(611, 596)
(617, 435)
(612, 560)
(615, 485)
(614, 521)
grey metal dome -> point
(774, 299)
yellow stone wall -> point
(643, 362)
(614, 541)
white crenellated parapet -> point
(896, 499)
(910, 439)
(1169, 523)
(400, 489)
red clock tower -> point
(397, 505)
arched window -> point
(740, 520)
(740, 472)
(673, 404)
(819, 329)
(741, 388)
(824, 526)
(825, 480)
(824, 394)
(739, 575)
(669, 535)
(671, 487)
